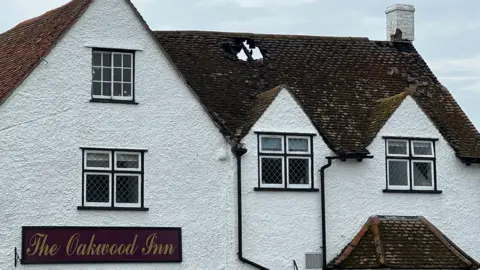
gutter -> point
(239, 151)
(359, 158)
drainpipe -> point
(239, 151)
(359, 158)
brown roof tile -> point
(336, 80)
(402, 243)
(22, 47)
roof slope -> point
(402, 243)
(22, 47)
(336, 80)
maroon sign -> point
(42, 245)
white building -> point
(117, 132)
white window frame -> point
(98, 152)
(131, 205)
(97, 204)
(432, 186)
(419, 141)
(398, 187)
(270, 151)
(298, 152)
(112, 82)
(128, 153)
(287, 176)
(283, 172)
(398, 155)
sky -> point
(446, 31)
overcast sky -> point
(446, 30)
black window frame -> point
(410, 159)
(285, 155)
(113, 100)
(112, 171)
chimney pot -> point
(401, 17)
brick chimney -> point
(400, 22)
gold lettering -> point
(132, 248)
(91, 246)
(113, 249)
(121, 249)
(39, 242)
(72, 244)
(151, 247)
(81, 249)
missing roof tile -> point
(243, 49)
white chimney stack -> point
(400, 22)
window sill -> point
(412, 191)
(287, 189)
(98, 100)
(112, 208)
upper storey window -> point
(285, 161)
(410, 164)
(112, 75)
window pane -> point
(271, 144)
(107, 59)
(297, 145)
(97, 74)
(97, 59)
(107, 89)
(127, 89)
(128, 161)
(126, 189)
(127, 75)
(398, 172)
(397, 147)
(97, 89)
(127, 60)
(298, 172)
(117, 89)
(98, 160)
(422, 174)
(117, 60)
(422, 148)
(98, 188)
(271, 170)
(107, 74)
(117, 74)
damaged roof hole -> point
(249, 50)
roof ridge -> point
(449, 244)
(355, 241)
(247, 34)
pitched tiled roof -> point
(402, 243)
(339, 82)
(22, 47)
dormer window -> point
(410, 164)
(285, 161)
(112, 75)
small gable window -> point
(410, 164)
(112, 178)
(285, 161)
(112, 75)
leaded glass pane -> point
(298, 171)
(98, 160)
(422, 148)
(272, 170)
(271, 144)
(125, 161)
(398, 172)
(422, 174)
(97, 188)
(297, 145)
(126, 188)
(397, 147)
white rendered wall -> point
(354, 190)
(279, 226)
(50, 116)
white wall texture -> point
(49, 117)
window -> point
(112, 178)
(112, 75)
(285, 161)
(410, 164)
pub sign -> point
(50, 245)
